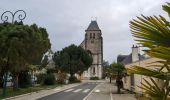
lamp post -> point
(21, 15)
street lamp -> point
(21, 15)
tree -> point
(44, 62)
(105, 66)
(154, 33)
(120, 71)
(72, 59)
(109, 72)
(20, 46)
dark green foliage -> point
(24, 79)
(73, 79)
(118, 71)
(20, 46)
(44, 62)
(61, 77)
(40, 78)
(1, 80)
(49, 79)
(153, 33)
(51, 70)
(60, 81)
(105, 66)
(72, 59)
(94, 78)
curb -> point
(63, 88)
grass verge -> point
(10, 92)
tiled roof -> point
(93, 26)
(128, 58)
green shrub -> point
(49, 79)
(24, 79)
(94, 78)
(73, 79)
(60, 81)
(61, 78)
(40, 78)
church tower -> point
(94, 42)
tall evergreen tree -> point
(73, 59)
(20, 46)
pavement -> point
(75, 93)
(42, 93)
(87, 90)
(107, 91)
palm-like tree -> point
(119, 71)
(109, 73)
(154, 33)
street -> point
(75, 93)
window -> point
(93, 35)
(94, 71)
(90, 35)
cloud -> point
(66, 20)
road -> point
(75, 93)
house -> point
(132, 81)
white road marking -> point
(87, 90)
(77, 90)
(97, 90)
(111, 97)
(68, 90)
(91, 91)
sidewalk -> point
(42, 93)
(107, 91)
(124, 96)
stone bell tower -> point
(94, 42)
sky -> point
(67, 20)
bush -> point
(49, 79)
(60, 81)
(24, 79)
(61, 78)
(94, 78)
(40, 78)
(73, 79)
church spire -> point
(93, 26)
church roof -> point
(93, 26)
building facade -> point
(132, 81)
(93, 42)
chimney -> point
(135, 53)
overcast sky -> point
(67, 20)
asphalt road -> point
(75, 93)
